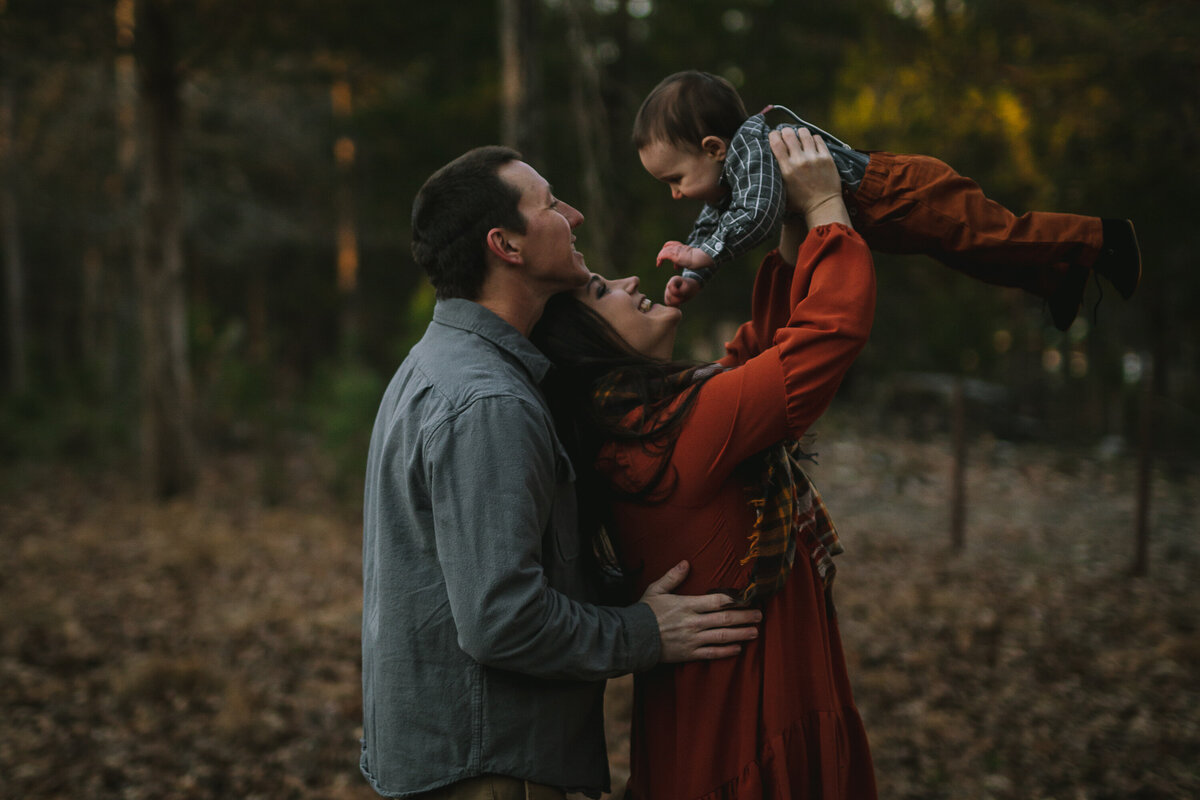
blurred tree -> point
(306, 127)
(39, 44)
(341, 102)
(168, 443)
(594, 127)
(10, 231)
(520, 76)
(1050, 105)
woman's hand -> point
(814, 189)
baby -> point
(692, 132)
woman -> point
(683, 461)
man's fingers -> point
(710, 653)
(720, 636)
(718, 602)
(721, 643)
(698, 627)
(669, 582)
(712, 612)
(731, 619)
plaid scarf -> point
(789, 512)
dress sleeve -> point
(771, 307)
(810, 323)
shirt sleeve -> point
(810, 322)
(756, 201)
(492, 475)
(704, 226)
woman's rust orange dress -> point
(777, 721)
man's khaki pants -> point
(494, 787)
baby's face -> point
(691, 173)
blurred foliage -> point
(1050, 104)
(346, 397)
(69, 427)
(209, 645)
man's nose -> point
(573, 215)
(675, 193)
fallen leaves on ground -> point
(209, 647)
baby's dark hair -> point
(686, 107)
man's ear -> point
(714, 146)
(501, 243)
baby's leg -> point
(918, 204)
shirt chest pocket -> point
(563, 530)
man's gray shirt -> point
(480, 653)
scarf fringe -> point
(787, 510)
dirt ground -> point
(208, 648)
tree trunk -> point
(1154, 386)
(521, 125)
(115, 313)
(1141, 550)
(91, 332)
(958, 479)
(168, 445)
(10, 231)
(592, 130)
(341, 102)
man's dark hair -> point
(686, 107)
(452, 214)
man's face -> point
(548, 244)
(691, 173)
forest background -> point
(204, 220)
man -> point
(483, 662)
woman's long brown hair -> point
(591, 359)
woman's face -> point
(648, 327)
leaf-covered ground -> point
(208, 648)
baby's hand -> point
(680, 290)
(683, 256)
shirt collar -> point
(474, 318)
(754, 126)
